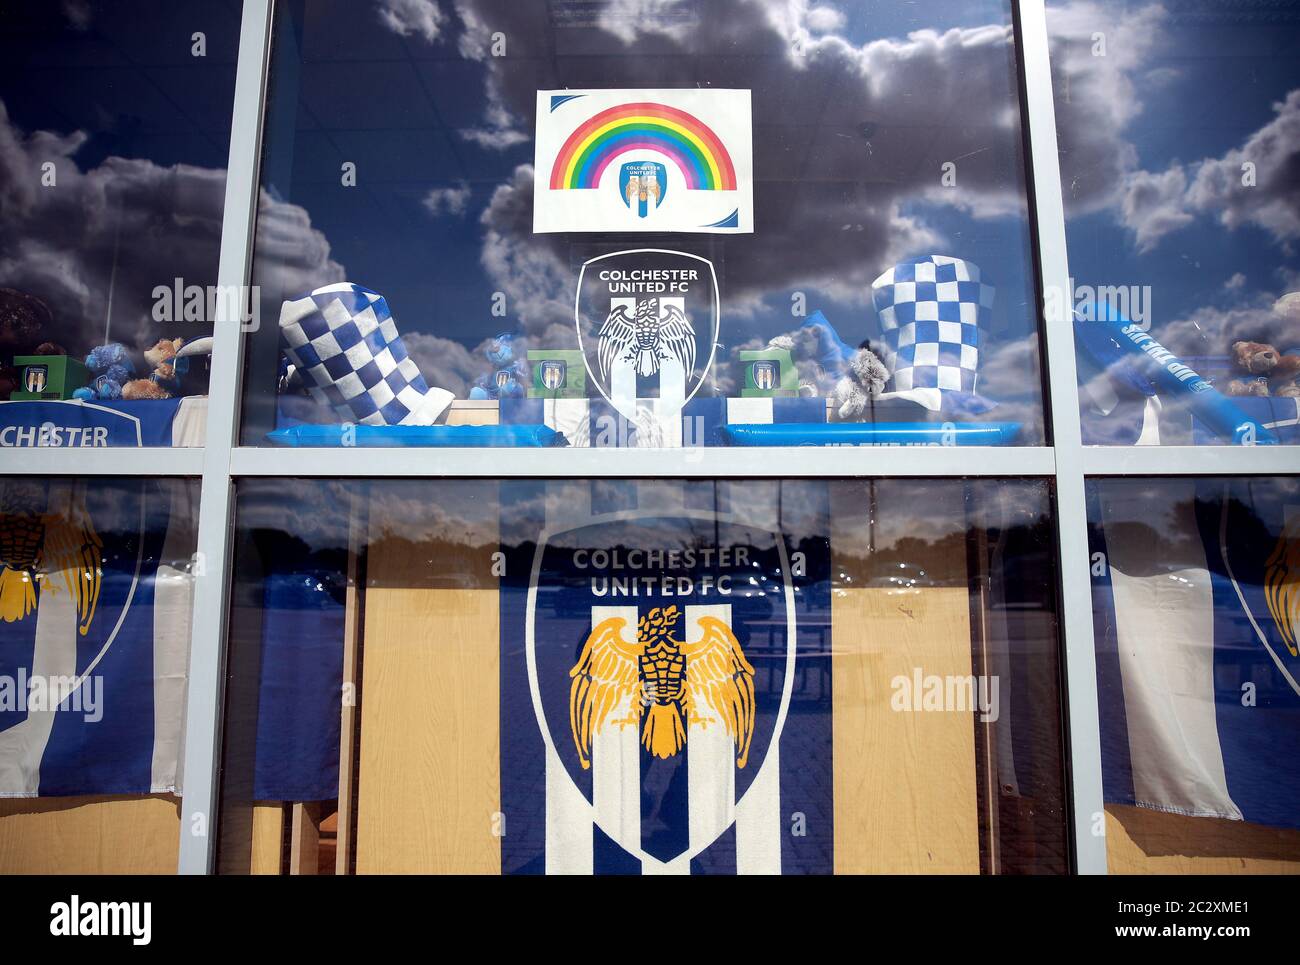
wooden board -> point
(1142, 841)
(905, 795)
(429, 784)
(305, 837)
(267, 838)
(472, 412)
(90, 835)
(348, 718)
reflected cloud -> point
(123, 228)
(408, 18)
(833, 172)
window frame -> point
(1065, 459)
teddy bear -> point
(1239, 387)
(864, 381)
(1284, 380)
(110, 367)
(1274, 373)
(509, 376)
(1257, 358)
(164, 380)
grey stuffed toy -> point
(864, 381)
(852, 377)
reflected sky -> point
(1155, 126)
(108, 100)
(856, 108)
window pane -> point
(96, 588)
(703, 677)
(114, 132)
(1194, 590)
(1178, 143)
(751, 227)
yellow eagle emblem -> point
(672, 684)
(56, 546)
(1282, 584)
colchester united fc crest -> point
(643, 185)
(35, 377)
(648, 326)
(659, 677)
(766, 375)
(553, 374)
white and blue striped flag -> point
(1196, 589)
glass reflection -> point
(1178, 143)
(642, 677)
(96, 594)
(1195, 616)
(401, 150)
(114, 133)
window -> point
(643, 676)
(1194, 603)
(1181, 220)
(96, 590)
(867, 280)
(785, 250)
(116, 131)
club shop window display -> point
(344, 349)
(1138, 392)
(344, 345)
(933, 312)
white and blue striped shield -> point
(553, 374)
(94, 635)
(648, 327)
(659, 657)
(34, 377)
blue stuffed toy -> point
(510, 376)
(111, 367)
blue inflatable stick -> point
(869, 434)
(1118, 344)
(457, 437)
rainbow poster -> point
(644, 160)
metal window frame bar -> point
(101, 462)
(1082, 730)
(1191, 460)
(222, 461)
(669, 463)
(206, 693)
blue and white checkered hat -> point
(931, 310)
(345, 345)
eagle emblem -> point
(1282, 584)
(655, 333)
(55, 546)
(672, 684)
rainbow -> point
(682, 137)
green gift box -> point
(769, 373)
(48, 377)
(561, 374)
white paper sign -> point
(644, 160)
